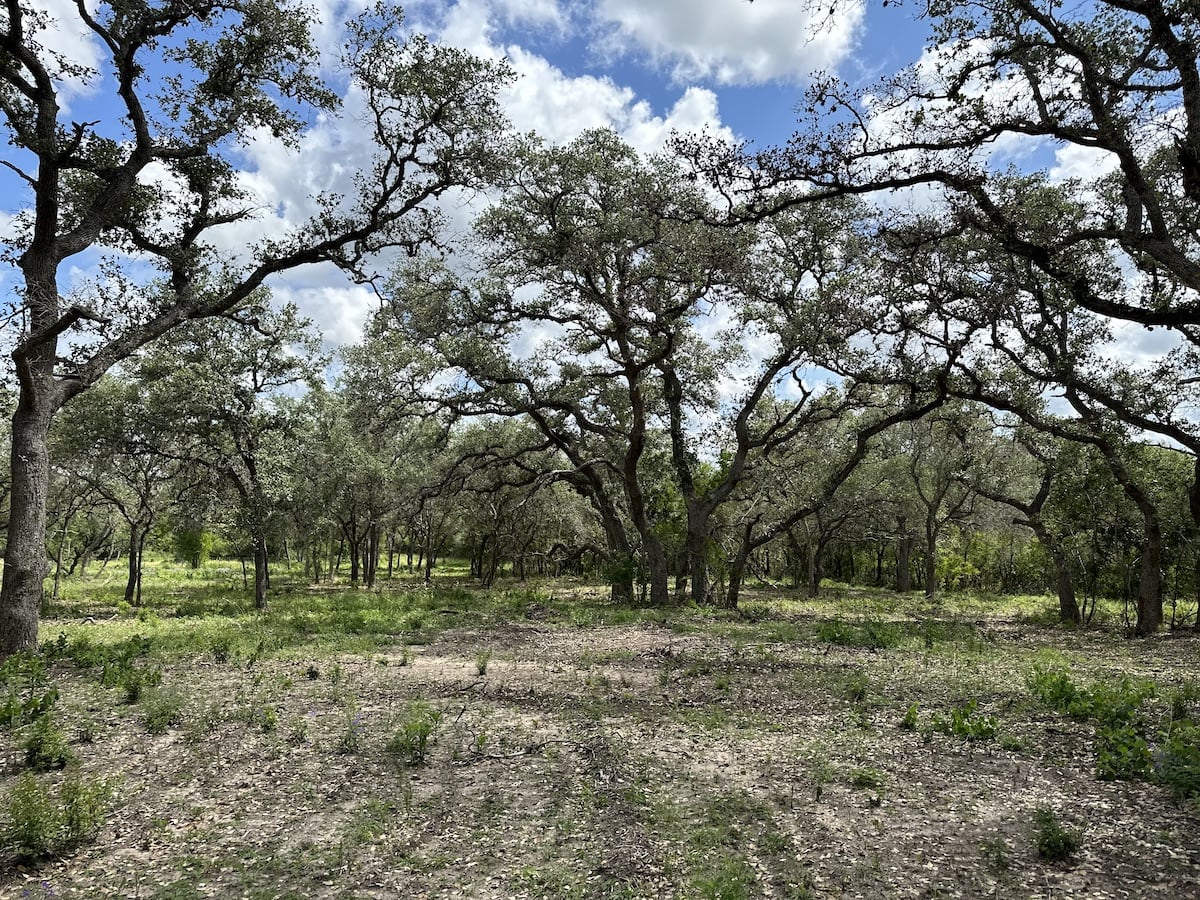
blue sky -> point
(642, 67)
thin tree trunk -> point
(134, 567)
(261, 572)
(58, 556)
(931, 539)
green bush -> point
(38, 825)
(1111, 703)
(410, 743)
(46, 746)
(964, 722)
(1121, 752)
(1177, 762)
(909, 722)
(1055, 688)
(1053, 841)
(25, 691)
(162, 710)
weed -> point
(353, 734)
(857, 687)
(38, 825)
(162, 710)
(204, 723)
(997, 856)
(222, 649)
(1183, 699)
(867, 779)
(266, 717)
(1053, 841)
(298, 733)
(85, 731)
(1121, 752)
(28, 695)
(410, 743)
(909, 722)
(1177, 761)
(46, 746)
(482, 658)
(312, 673)
(871, 634)
(964, 722)
(821, 772)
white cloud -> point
(732, 41)
(67, 36)
(339, 311)
(1075, 161)
(559, 107)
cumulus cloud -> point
(732, 42)
(66, 36)
(559, 107)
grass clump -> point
(38, 824)
(870, 635)
(409, 744)
(162, 710)
(46, 746)
(1053, 840)
(482, 658)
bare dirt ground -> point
(623, 761)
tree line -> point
(678, 369)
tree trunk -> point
(814, 569)
(657, 572)
(135, 566)
(697, 555)
(1149, 599)
(904, 564)
(25, 563)
(58, 556)
(931, 537)
(260, 572)
(737, 568)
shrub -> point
(1113, 702)
(1053, 841)
(410, 743)
(46, 746)
(1121, 752)
(964, 722)
(26, 694)
(162, 710)
(38, 825)
(1055, 688)
(1177, 762)
(909, 722)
